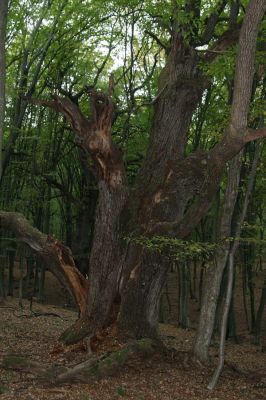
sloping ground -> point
(35, 337)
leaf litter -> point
(152, 379)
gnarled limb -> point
(217, 159)
(224, 42)
(211, 166)
(57, 256)
(236, 135)
(92, 135)
(211, 23)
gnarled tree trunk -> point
(159, 202)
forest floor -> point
(35, 337)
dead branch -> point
(58, 257)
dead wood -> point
(58, 257)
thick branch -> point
(214, 161)
(158, 41)
(93, 135)
(254, 134)
(237, 134)
(226, 40)
(70, 110)
(63, 190)
(58, 257)
(211, 23)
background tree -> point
(3, 22)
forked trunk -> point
(161, 193)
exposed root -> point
(92, 369)
(76, 332)
(256, 375)
(20, 363)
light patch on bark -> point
(102, 164)
(157, 197)
(116, 178)
(134, 270)
(169, 175)
(101, 142)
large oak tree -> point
(172, 192)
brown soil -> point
(35, 337)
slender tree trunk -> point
(29, 276)
(3, 23)
(2, 277)
(244, 290)
(231, 329)
(228, 297)
(183, 318)
(11, 262)
(250, 275)
(260, 313)
(239, 117)
(214, 274)
(231, 261)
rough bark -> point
(141, 292)
(158, 196)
